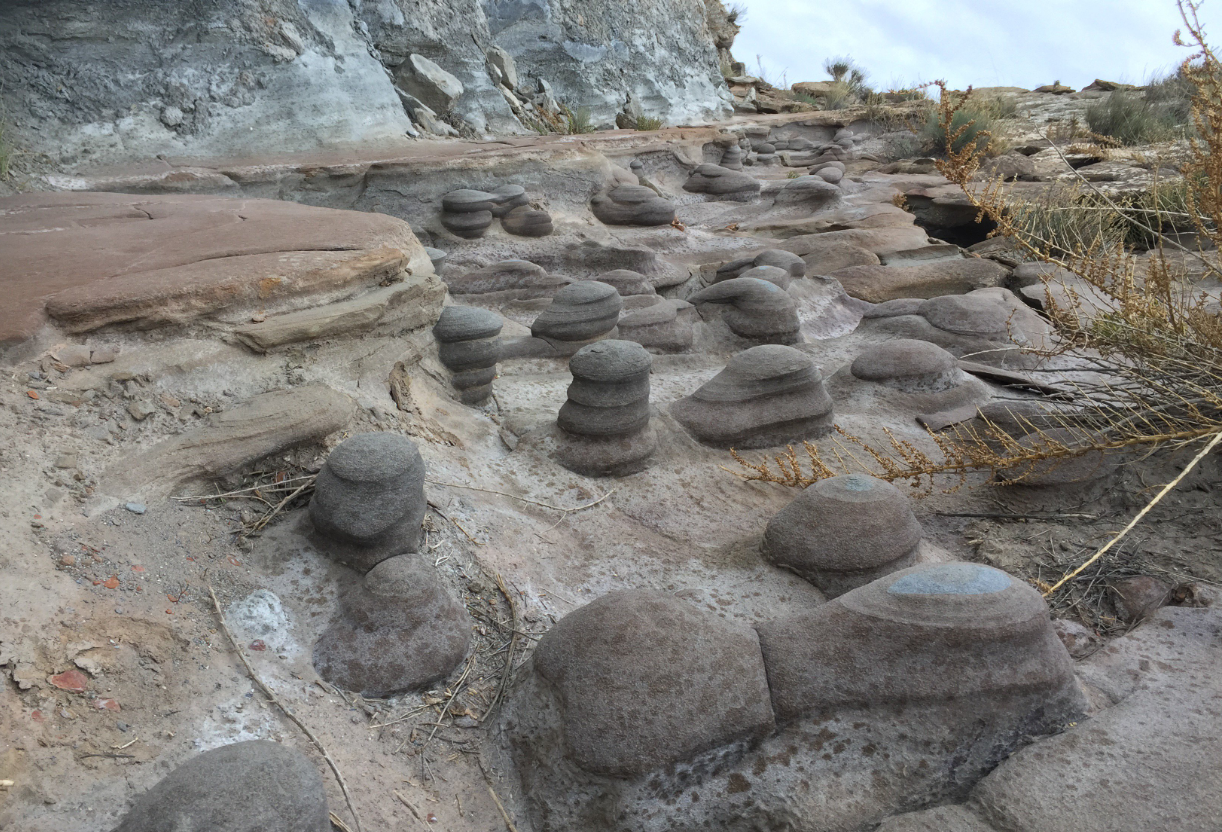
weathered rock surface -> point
(665, 326)
(254, 786)
(754, 309)
(703, 680)
(398, 630)
(267, 424)
(766, 396)
(907, 364)
(923, 280)
(467, 344)
(88, 260)
(524, 221)
(368, 500)
(604, 424)
(844, 532)
(518, 279)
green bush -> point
(1139, 117)
(578, 121)
(649, 123)
(974, 115)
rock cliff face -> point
(129, 79)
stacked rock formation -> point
(755, 309)
(243, 786)
(368, 500)
(398, 630)
(722, 183)
(579, 313)
(937, 671)
(787, 260)
(844, 532)
(767, 395)
(732, 159)
(650, 320)
(469, 347)
(908, 365)
(469, 213)
(811, 192)
(632, 205)
(604, 425)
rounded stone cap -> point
(631, 194)
(757, 371)
(627, 282)
(772, 274)
(374, 457)
(843, 524)
(903, 358)
(505, 193)
(780, 258)
(583, 292)
(610, 361)
(466, 200)
(466, 323)
(969, 595)
(966, 314)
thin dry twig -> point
(1213, 443)
(513, 641)
(285, 708)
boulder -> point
(524, 221)
(506, 198)
(844, 532)
(469, 347)
(604, 424)
(88, 260)
(756, 309)
(732, 159)
(252, 786)
(398, 630)
(908, 365)
(724, 183)
(632, 205)
(895, 641)
(641, 680)
(769, 274)
(811, 192)
(426, 81)
(781, 259)
(368, 500)
(627, 282)
(664, 326)
(579, 312)
(766, 396)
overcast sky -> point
(979, 42)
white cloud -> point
(900, 42)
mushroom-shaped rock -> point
(772, 274)
(468, 346)
(524, 221)
(520, 279)
(469, 225)
(767, 395)
(808, 191)
(732, 159)
(632, 205)
(757, 309)
(962, 635)
(781, 259)
(722, 182)
(966, 315)
(844, 532)
(908, 365)
(604, 424)
(665, 326)
(253, 786)
(627, 282)
(368, 500)
(398, 630)
(642, 680)
(506, 198)
(467, 213)
(579, 312)
(437, 257)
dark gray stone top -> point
(505, 193)
(610, 361)
(466, 323)
(465, 201)
(631, 194)
(952, 579)
(902, 358)
(766, 370)
(782, 259)
(374, 457)
(967, 314)
(772, 274)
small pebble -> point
(136, 508)
(67, 560)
